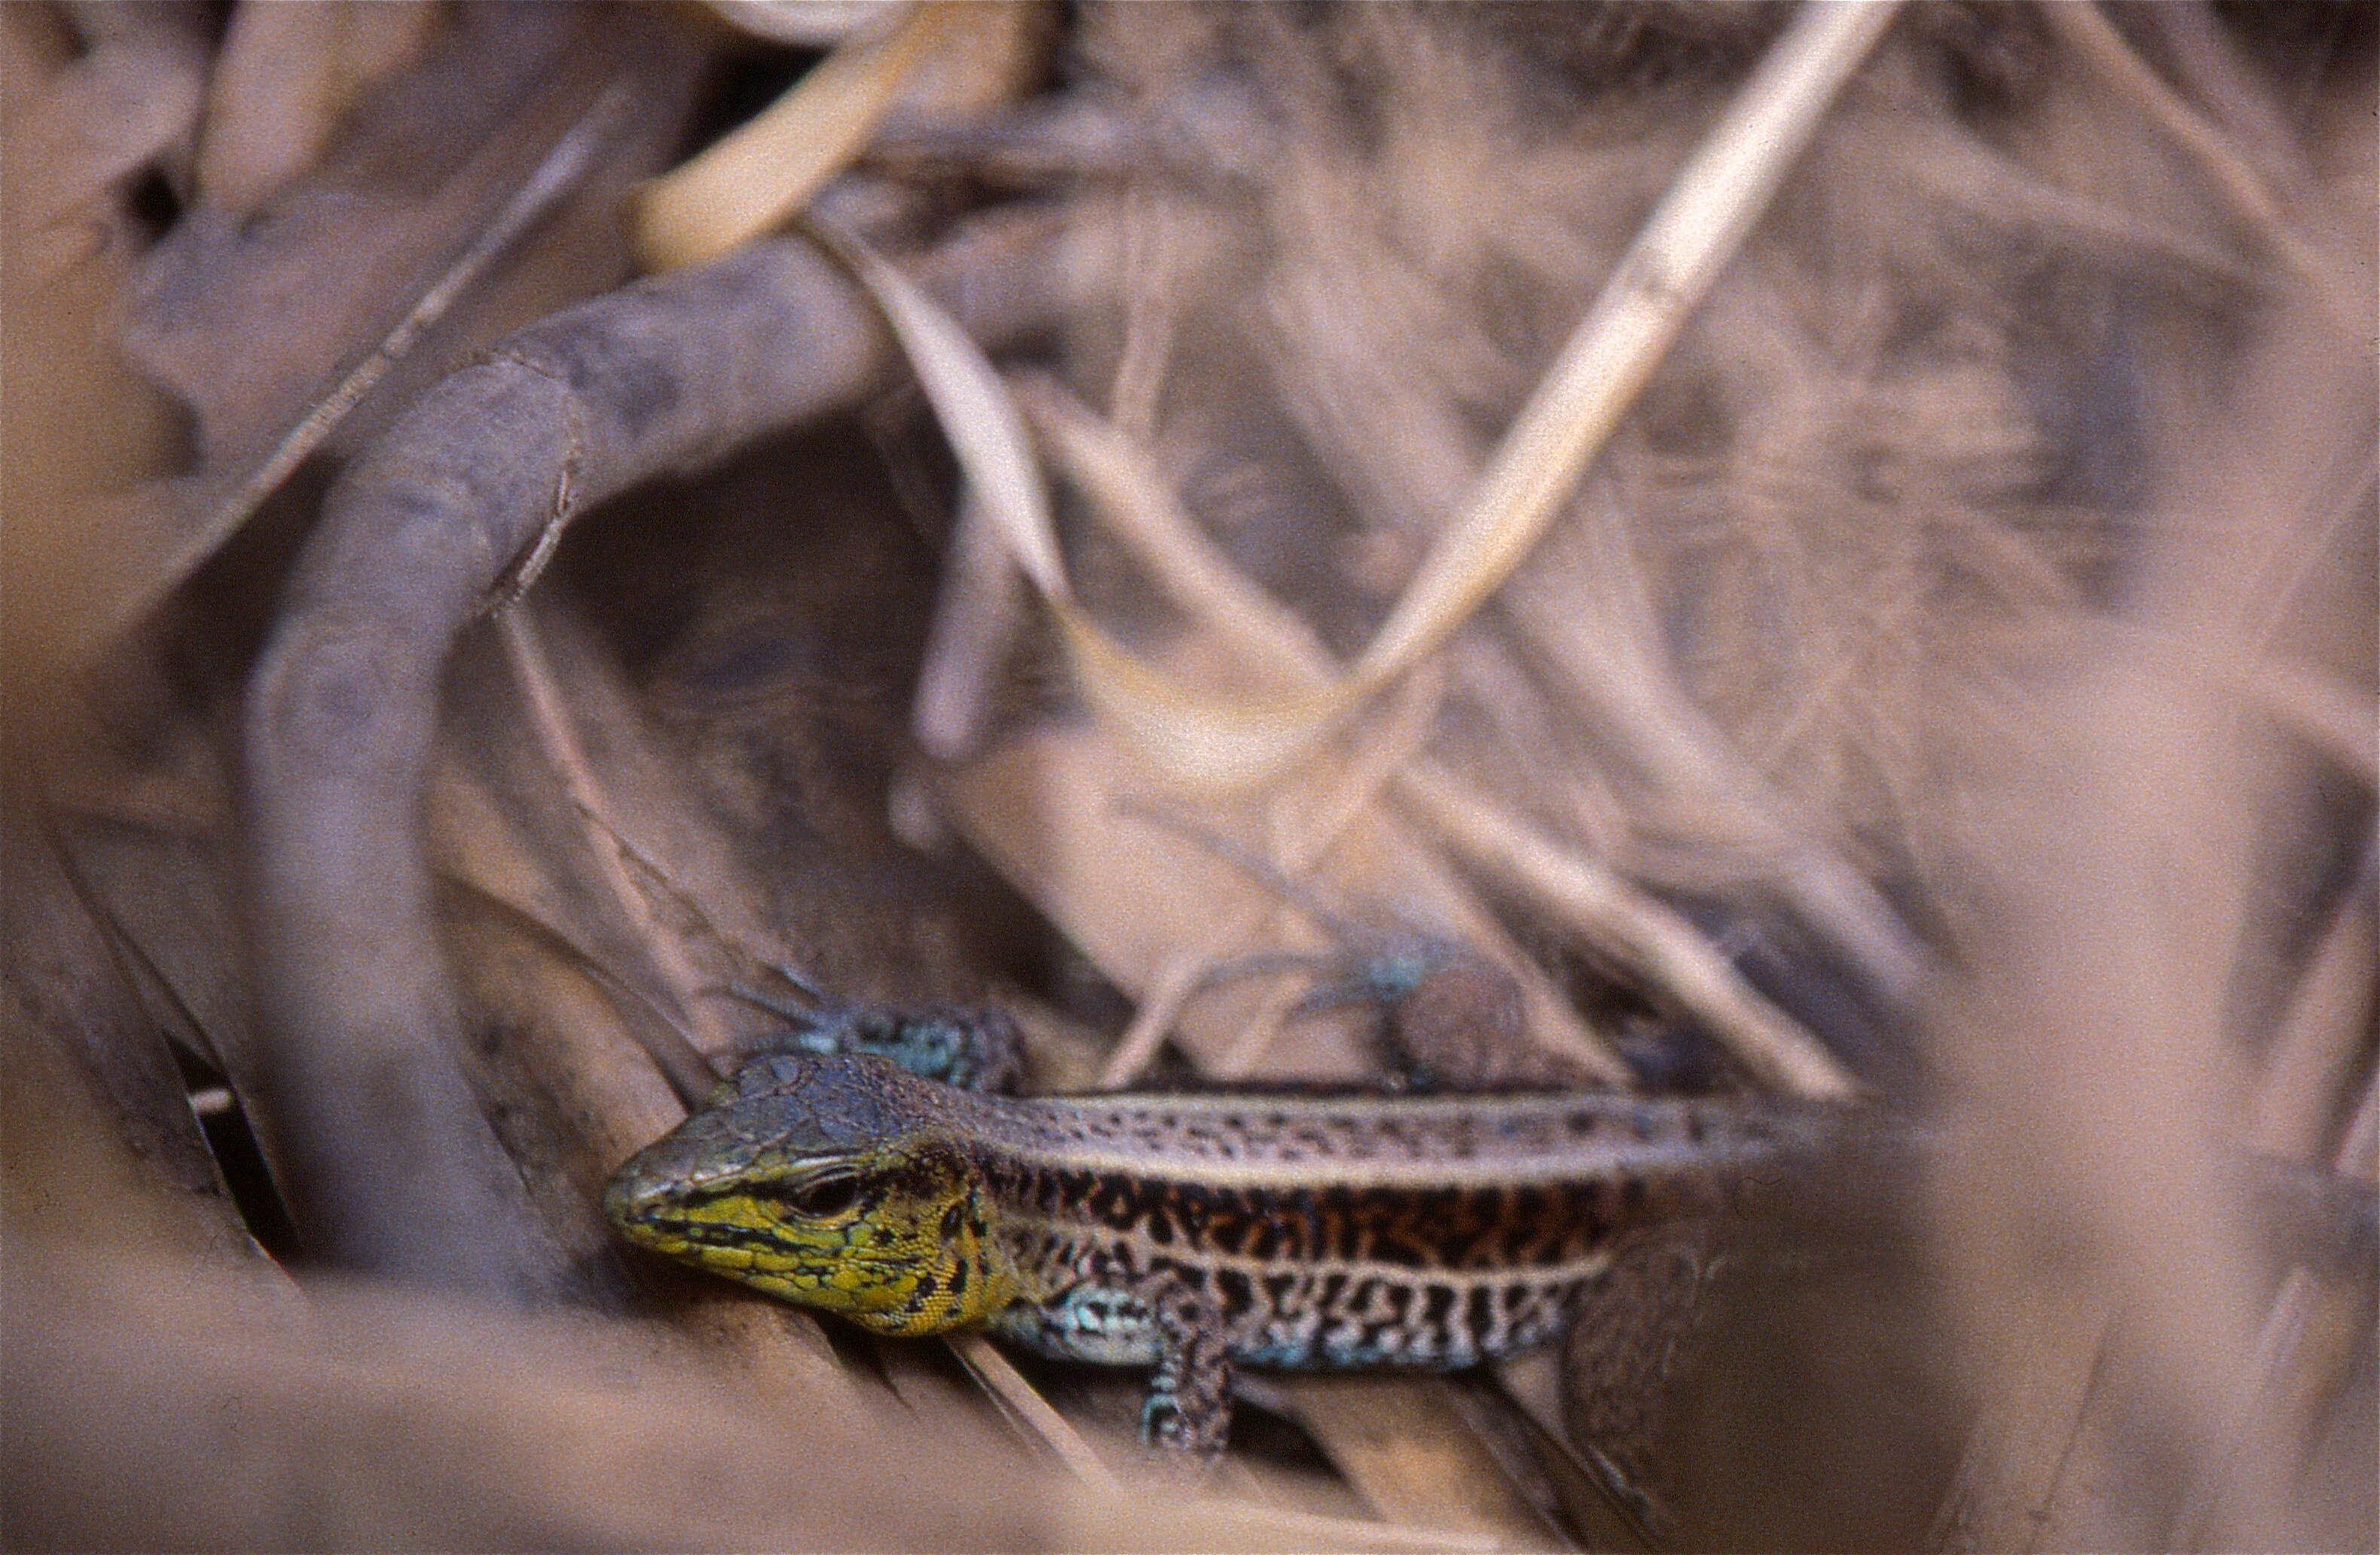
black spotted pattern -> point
(1300, 1253)
(1324, 1274)
(1502, 1226)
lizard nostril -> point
(632, 1197)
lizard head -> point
(836, 1182)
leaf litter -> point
(1825, 693)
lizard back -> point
(1346, 1231)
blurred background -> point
(527, 524)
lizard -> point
(1188, 1233)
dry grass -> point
(1889, 616)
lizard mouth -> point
(665, 1225)
(701, 1234)
(685, 1236)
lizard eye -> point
(822, 1198)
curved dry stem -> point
(393, 1167)
(757, 178)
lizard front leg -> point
(1148, 1318)
(1189, 1406)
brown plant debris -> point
(1757, 547)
